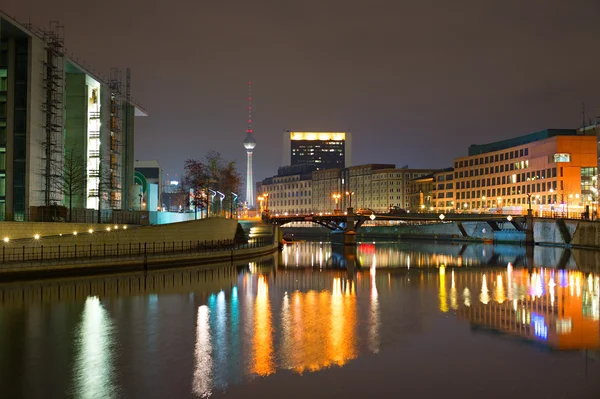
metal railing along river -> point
(15, 256)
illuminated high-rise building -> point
(249, 144)
(325, 150)
(60, 120)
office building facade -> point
(289, 192)
(325, 150)
(56, 117)
(554, 170)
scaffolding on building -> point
(116, 106)
(54, 81)
(127, 178)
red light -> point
(249, 120)
(248, 130)
(249, 107)
(249, 98)
(249, 83)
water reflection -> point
(262, 353)
(94, 364)
(202, 383)
(213, 331)
(564, 316)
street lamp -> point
(336, 197)
(266, 195)
(260, 199)
(350, 194)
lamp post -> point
(336, 198)
(350, 193)
(260, 199)
(266, 195)
(234, 204)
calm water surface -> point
(387, 320)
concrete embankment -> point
(123, 264)
(569, 233)
(142, 248)
(451, 231)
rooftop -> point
(476, 149)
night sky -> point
(416, 82)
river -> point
(413, 320)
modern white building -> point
(51, 108)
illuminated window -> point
(562, 157)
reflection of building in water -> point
(557, 307)
(406, 254)
(94, 362)
(262, 357)
(202, 383)
(160, 282)
(319, 328)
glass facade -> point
(323, 154)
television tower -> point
(249, 144)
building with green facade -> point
(60, 124)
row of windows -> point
(523, 152)
(541, 200)
(515, 178)
(306, 201)
(515, 190)
(292, 194)
(494, 169)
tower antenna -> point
(249, 144)
(249, 129)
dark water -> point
(387, 320)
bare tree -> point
(74, 179)
(196, 179)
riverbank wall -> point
(141, 248)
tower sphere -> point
(249, 142)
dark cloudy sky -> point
(416, 81)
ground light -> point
(90, 231)
(6, 239)
(37, 236)
(74, 233)
(108, 229)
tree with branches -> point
(195, 179)
(214, 174)
(74, 179)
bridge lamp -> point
(509, 218)
(260, 199)
(372, 217)
(90, 231)
(442, 216)
(37, 236)
(6, 239)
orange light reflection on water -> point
(262, 356)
